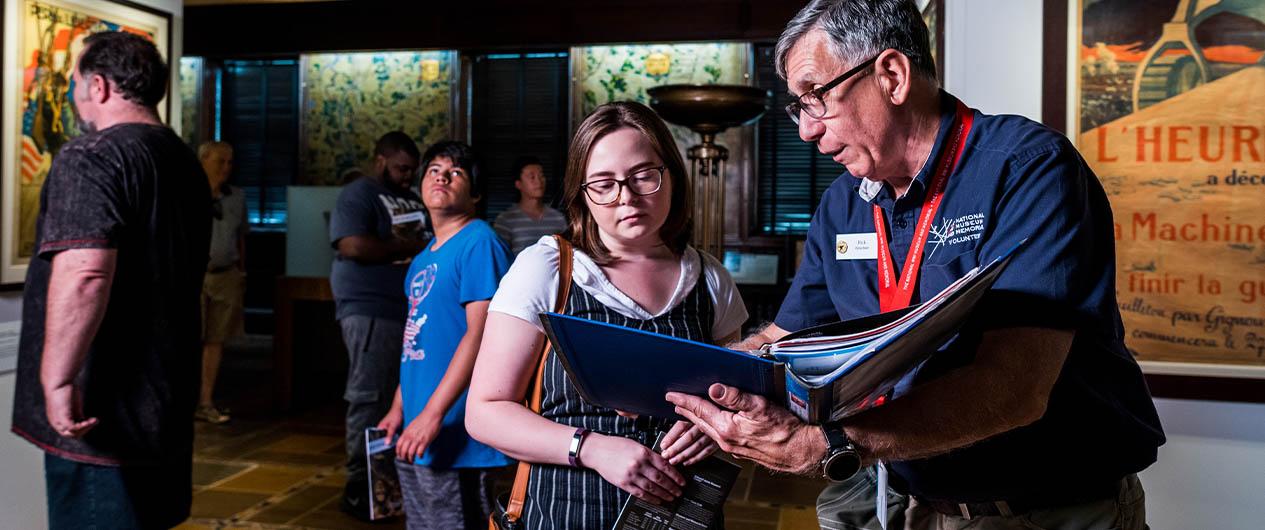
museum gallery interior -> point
(1163, 99)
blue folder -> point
(629, 373)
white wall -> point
(22, 505)
(1211, 473)
(992, 55)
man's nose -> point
(810, 128)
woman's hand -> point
(632, 467)
(417, 437)
(685, 444)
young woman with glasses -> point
(629, 205)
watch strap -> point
(836, 439)
(577, 441)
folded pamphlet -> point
(822, 374)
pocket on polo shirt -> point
(944, 268)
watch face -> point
(841, 465)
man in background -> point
(524, 222)
(225, 283)
(377, 226)
(108, 363)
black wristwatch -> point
(842, 458)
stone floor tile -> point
(745, 525)
(267, 479)
(336, 477)
(208, 473)
(216, 504)
(794, 518)
(328, 517)
(746, 512)
(297, 504)
(308, 444)
(785, 489)
(293, 459)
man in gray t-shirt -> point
(377, 226)
(225, 283)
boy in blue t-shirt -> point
(443, 472)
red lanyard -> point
(893, 296)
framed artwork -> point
(933, 15)
(1164, 99)
(602, 74)
(191, 72)
(42, 39)
(349, 100)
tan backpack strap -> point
(514, 509)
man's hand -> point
(749, 427)
(64, 406)
(78, 293)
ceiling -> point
(242, 2)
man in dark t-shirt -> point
(110, 348)
(377, 226)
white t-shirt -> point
(531, 287)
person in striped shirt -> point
(526, 221)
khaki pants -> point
(222, 305)
(850, 506)
(1127, 511)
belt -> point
(969, 510)
(1007, 508)
(217, 270)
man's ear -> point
(99, 89)
(894, 75)
(379, 164)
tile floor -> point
(262, 471)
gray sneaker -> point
(210, 414)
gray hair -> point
(207, 148)
(859, 29)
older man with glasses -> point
(1036, 413)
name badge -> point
(411, 217)
(856, 246)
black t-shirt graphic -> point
(140, 190)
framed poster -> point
(933, 14)
(602, 74)
(42, 39)
(1165, 100)
(349, 100)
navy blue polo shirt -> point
(1016, 179)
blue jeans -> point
(93, 497)
(373, 349)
